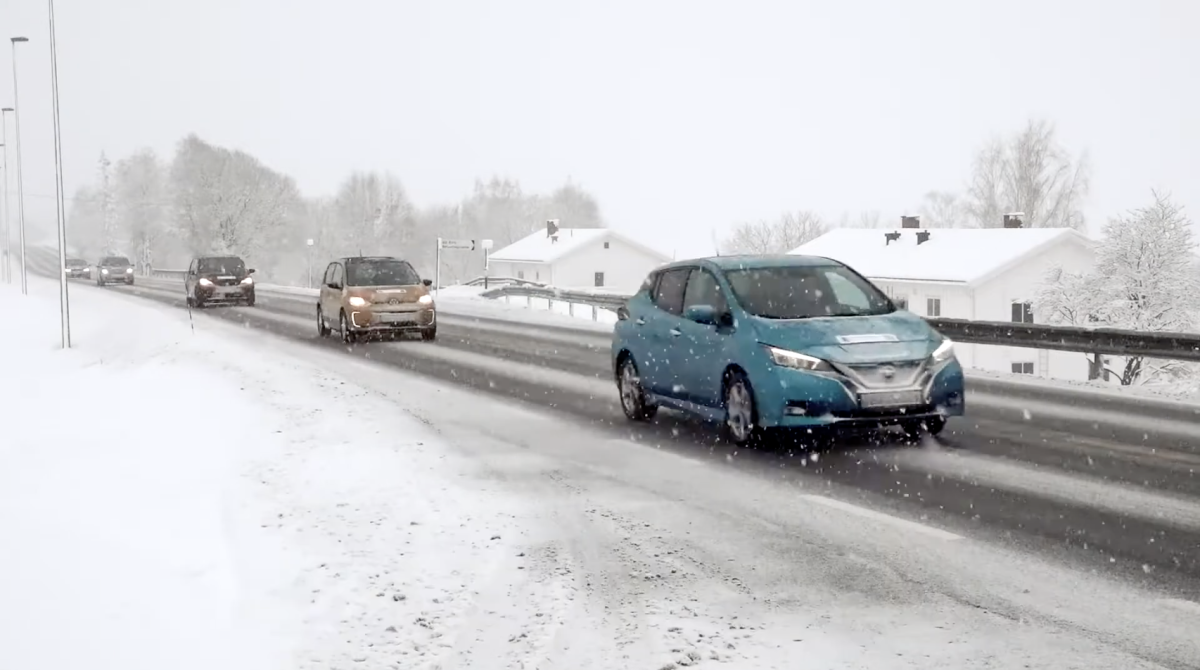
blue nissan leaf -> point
(775, 342)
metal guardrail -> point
(1109, 342)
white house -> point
(986, 274)
(578, 258)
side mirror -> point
(622, 313)
(250, 271)
(705, 314)
(427, 282)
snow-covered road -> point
(226, 498)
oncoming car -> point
(113, 269)
(776, 342)
(374, 294)
(77, 268)
(219, 280)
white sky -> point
(681, 117)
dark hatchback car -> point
(113, 270)
(77, 268)
(219, 280)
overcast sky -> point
(681, 117)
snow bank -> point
(171, 499)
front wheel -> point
(344, 328)
(429, 334)
(250, 300)
(322, 328)
(741, 414)
(633, 395)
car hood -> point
(898, 336)
(386, 294)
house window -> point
(599, 279)
(606, 245)
(1022, 312)
(520, 274)
(933, 307)
(1022, 368)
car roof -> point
(754, 261)
(204, 258)
(357, 259)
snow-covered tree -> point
(110, 235)
(85, 224)
(780, 236)
(140, 187)
(1145, 280)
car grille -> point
(887, 375)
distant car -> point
(374, 294)
(113, 270)
(77, 268)
(219, 280)
(776, 342)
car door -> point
(323, 289)
(707, 346)
(631, 329)
(663, 352)
(333, 292)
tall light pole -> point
(4, 246)
(20, 183)
(64, 301)
(4, 112)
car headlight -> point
(356, 301)
(205, 281)
(248, 280)
(943, 353)
(425, 299)
(103, 271)
(128, 270)
(790, 359)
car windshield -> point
(229, 265)
(384, 272)
(76, 263)
(115, 260)
(805, 292)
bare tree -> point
(1030, 173)
(942, 209)
(780, 236)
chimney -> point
(910, 222)
(891, 237)
(1013, 220)
(922, 237)
(552, 228)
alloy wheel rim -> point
(628, 387)
(738, 408)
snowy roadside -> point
(184, 500)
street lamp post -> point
(64, 301)
(4, 112)
(20, 183)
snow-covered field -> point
(171, 499)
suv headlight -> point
(790, 359)
(943, 353)
(356, 301)
(103, 271)
(205, 281)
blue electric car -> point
(775, 342)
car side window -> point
(648, 284)
(339, 276)
(703, 289)
(192, 267)
(328, 274)
(668, 295)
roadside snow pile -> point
(180, 500)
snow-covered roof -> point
(538, 248)
(961, 255)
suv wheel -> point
(429, 334)
(633, 395)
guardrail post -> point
(571, 309)
(595, 313)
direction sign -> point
(466, 245)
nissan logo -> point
(888, 371)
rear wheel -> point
(741, 414)
(322, 328)
(633, 395)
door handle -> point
(675, 332)
(640, 322)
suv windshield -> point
(115, 261)
(228, 265)
(381, 272)
(805, 292)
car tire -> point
(930, 426)
(198, 302)
(740, 425)
(344, 330)
(633, 394)
(429, 334)
(250, 300)
(323, 328)
(129, 282)
(190, 302)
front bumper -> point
(369, 320)
(788, 398)
(238, 293)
